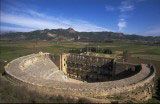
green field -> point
(10, 50)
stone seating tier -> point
(38, 69)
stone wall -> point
(85, 67)
(138, 87)
(93, 68)
(120, 67)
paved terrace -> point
(38, 69)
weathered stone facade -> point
(39, 70)
(87, 67)
(93, 68)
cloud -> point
(126, 5)
(49, 22)
(140, 1)
(18, 29)
(35, 23)
(121, 24)
(153, 31)
(31, 19)
(109, 8)
(125, 9)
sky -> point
(141, 17)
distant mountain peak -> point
(71, 30)
(70, 33)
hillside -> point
(71, 35)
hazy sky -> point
(129, 16)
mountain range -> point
(71, 35)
